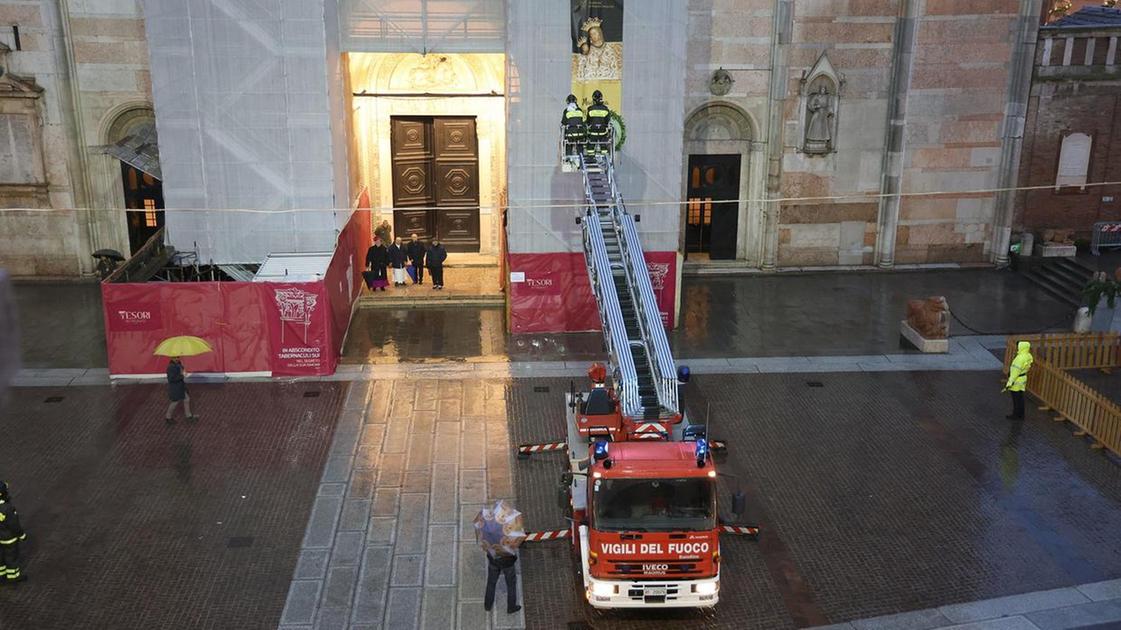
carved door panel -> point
(413, 195)
(436, 180)
(457, 183)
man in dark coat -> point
(436, 257)
(503, 565)
(397, 261)
(416, 251)
(177, 391)
(11, 533)
(377, 259)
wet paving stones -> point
(135, 524)
(877, 494)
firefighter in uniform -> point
(599, 125)
(575, 129)
(10, 535)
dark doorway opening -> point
(143, 192)
(436, 180)
(710, 226)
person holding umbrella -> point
(500, 532)
(175, 347)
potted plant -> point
(1101, 294)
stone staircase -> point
(1061, 278)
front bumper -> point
(655, 593)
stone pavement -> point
(966, 353)
(390, 542)
(1096, 605)
(876, 493)
(722, 317)
(135, 524)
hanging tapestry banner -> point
(597, 51)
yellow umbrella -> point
(182, 346)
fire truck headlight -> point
(706, 588)
(603, 589)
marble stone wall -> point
(91, 59)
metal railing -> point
(577, 148)
(610, 315)
(651, 327)
(1071, 399)
(1105, 234)
(144, 263)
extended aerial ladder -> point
(641, 364)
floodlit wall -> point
(244, 95)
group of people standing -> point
(410, 258)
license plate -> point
(654, 592)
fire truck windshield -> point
(655, 504)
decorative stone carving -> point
(929, 317)
(821, 98)
(721, 82)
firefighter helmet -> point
(571, 98)
(597, 97)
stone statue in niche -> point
(820, 111)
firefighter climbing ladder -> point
(641, 364)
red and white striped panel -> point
(1113, 227)
(541, 448)
(740, 530)
(554, 534)
(651, 427)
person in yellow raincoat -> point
(1018, 379)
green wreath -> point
(619, 127)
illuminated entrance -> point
(429, 144)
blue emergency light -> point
(701, 449)
(600, 450)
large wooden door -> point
(436, 180)
(711, 227)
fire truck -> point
(640, 487)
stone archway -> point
(720, 128)
(122, 131)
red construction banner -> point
(298, 316)
(550, 292)
(663, 276)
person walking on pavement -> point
(177, 391)
(575, 127)
(503, 564)
(397, 261)
(11, 533)
(415, 249)
(599, 126)
(436, 257)
(377, 259)
(1018, 379)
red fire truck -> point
(640, 486)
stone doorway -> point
(721, 165)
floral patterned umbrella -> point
(499, 530)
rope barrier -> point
(1065, 318)
(582, 205)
